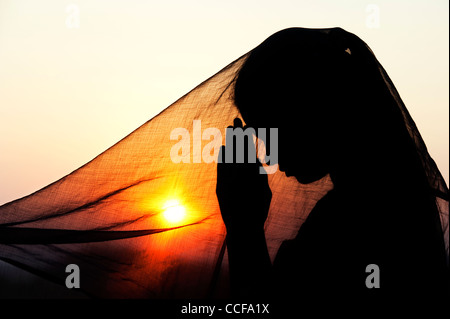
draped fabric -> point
(108, 216)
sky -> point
(77, 76)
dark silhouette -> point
(336, 114)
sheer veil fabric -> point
(108, 216)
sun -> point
(174, 211)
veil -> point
(109, 216)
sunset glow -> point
(174, 211)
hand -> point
(244, 194)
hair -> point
(325, 78)
(327, 84)
(291, 64)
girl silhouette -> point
(337, 113)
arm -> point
(249, 262)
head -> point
(302, 81)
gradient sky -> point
(67, 94)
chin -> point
(302, 179)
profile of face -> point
(283, 85)
(303, 145)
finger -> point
(223, 170)
(230, 143)
(221, 156)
